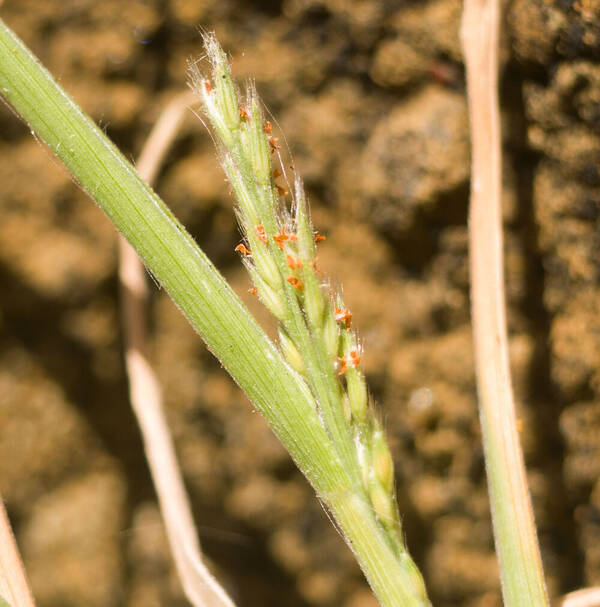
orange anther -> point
(320, 237)
(273, 143)
(244, 113)
(292, 262)
(344, 316)
(283, 236)
(268, 127)
(276, 173)
(242, 249)
(281, 190)
(280, 238)
(349, 362)
(294, 282)
(260, 231)
(252, 290)
(207, 86)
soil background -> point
(370, 95)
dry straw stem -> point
(201, 588)
(587, 597)
(514, 528)
(13, 581)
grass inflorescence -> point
(315, 328)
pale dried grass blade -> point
(14, 588)
(587, 597)
(201, 588)
(514, 528)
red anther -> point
(244, 114)
(294, 282)
(281, 190)
(281, 238)
(260, 231)
(268, 127)
(242, 249)
(320, 237)
(252, 290)
(273, 143)
(292, 262)
(344, 316)
(207, 86)
(349, 362)
(276, 173)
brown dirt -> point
(371, 97)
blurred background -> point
(370, 95)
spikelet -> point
(315, 327)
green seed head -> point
(314, 302)
(382, 503)
(289, 349)
(226, 96)
(249, 215)
(282, 263)
(357, 394)
(350, 354)
(383, 465)
(346, 408)
(331, 333)
(263, 260)
(258, 144)
(270, 297)
(364, 455)
(416, 578)
(306, 240)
